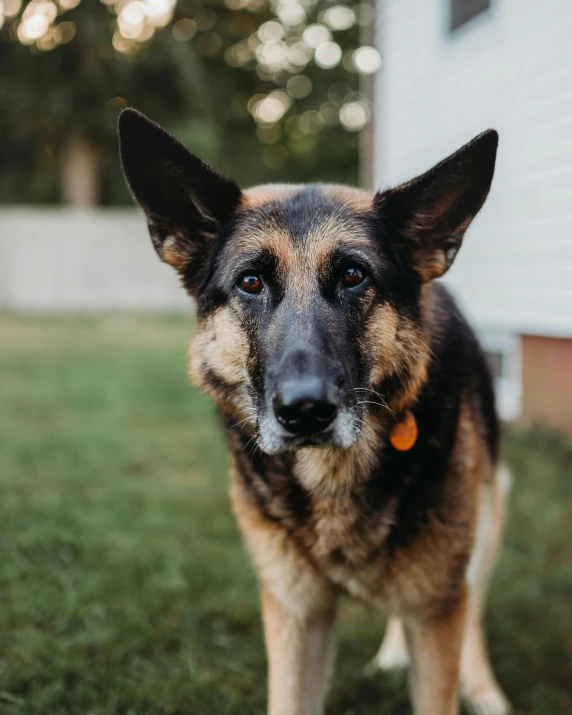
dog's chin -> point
(273, 439)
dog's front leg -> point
(434, 644)
(299, 645)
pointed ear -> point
(427, 218)
(185, 201)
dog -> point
(357, 403)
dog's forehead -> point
(298, 195)
(286, 218)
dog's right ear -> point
(185, 201)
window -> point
(503, 353)
(464, 10)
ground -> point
(124, 585)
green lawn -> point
(124, 586)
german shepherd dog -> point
(356, 401)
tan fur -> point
(479, 684)
(391, 340)
(435, 646)
(172, 253)
(318, 245)
(412, 578)
(323, 470)
(258, 196)
(300, 657)
(298, 607)
(299, 262)
(221, 346)
(280, 561)
(433, 681)
(358, 199)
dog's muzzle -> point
(306, 405)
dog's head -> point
(310, 298)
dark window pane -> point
(464, 10)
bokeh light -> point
(64, 32)
(299, 86)
(36, 20)
(366, 60)
(314, 35)
(270, 109)
(184, 29)
(339, 17)
(291, 13)
(328, 55)
(354, 116)
(137, 21)
(280, 51)
(11, 7)
(271, 30)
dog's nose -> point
(306, 405)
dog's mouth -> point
(275, 436)
(318, 439)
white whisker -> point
(249, 441)
(368, 389)
(246, 419)
(379, 404)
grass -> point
(124, 586)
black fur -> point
(181, 196)
(457, 369)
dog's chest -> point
(348, 545)
(349, 534)
(344, 533)
(355, 537)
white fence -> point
(94, 260)
(78, 260)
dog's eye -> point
(352, 276)
(250, 283)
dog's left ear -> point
(185, 201)
(427, 218)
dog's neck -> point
(320, 470)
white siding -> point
(65, 259)
(510, 69)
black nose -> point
(305, 405)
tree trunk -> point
(79, 173)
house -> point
(450, 69)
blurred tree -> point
(256, 87)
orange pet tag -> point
(404, 434)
